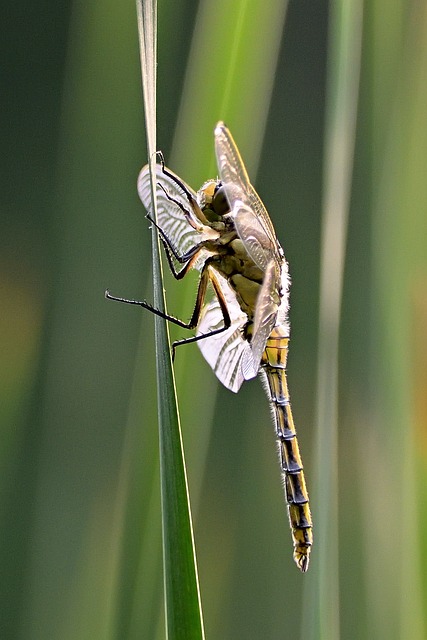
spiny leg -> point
(180, 184)
(187, 214)
(146, 305)
(207, 276)
(167, 242)
(198, 308)
(198, 214)
(178, 275)
(188, 258)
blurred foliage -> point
(80, 535)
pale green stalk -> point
(341, 110)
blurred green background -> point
(80, 525)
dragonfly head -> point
(213, 201)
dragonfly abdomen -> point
(274, 367)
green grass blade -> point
(183, 608)
(343, 84)
(399, 284)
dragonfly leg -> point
(170, 250)
(180, 257)
(187, 215)
(166, 239)
(178, 275)
(208, 275)
(146, 305)
(181, 185)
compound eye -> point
(219, 201)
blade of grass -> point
(343, 83)
(183, 607)
(399, 272)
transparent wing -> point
(266, 312)
(228, 353)
(251, 231)
(175, 214)
(239, 191)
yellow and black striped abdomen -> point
(273, 365)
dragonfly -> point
(243, 331)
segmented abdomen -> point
(273, 365)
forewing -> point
(266, 311)
(252, 233)
(238, 188)
(228, 353)
(174, 209)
